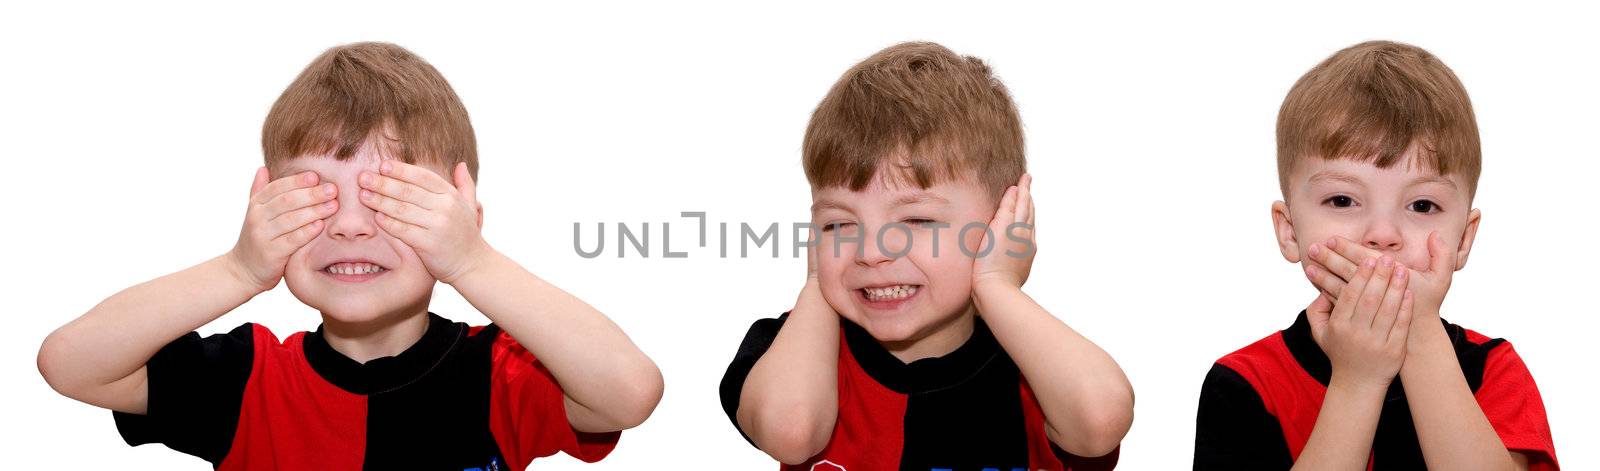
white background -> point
(131, 132)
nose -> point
(884, 245)
(353, 220)
(1382, 233)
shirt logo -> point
(494, 465)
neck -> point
(384, 336)
(946, 337)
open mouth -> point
(354, 270)
(885, 297)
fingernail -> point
(1369, 263)
(1400, 272)
(330, 205)
(308, 177)
(1388, 262)
(366, 195)
(329, 189)
(1311, 271)
(1316, 249)
(366, 178)
(385, 167)
(1332, 242)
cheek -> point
(948, 274)
(297, 273)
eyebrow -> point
(828, 204)
(920, 198)
(1433, 179)
(906, 200)
(1336, 176)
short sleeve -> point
(1510, 399)
(1233, 430)
(195, 388)
(528, 412)
(755, 344)
(1071, 462)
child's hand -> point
(1335, 261)
(284, 215)
(1364, 331)
(418, 207)
(1011, 257)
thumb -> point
(1440, 259)
(1319, 310)
(464, 182)
(260, 180)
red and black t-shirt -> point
(969, 410)
(461, 398)
(1259, 404)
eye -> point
(829, 227)
(1340, 201)
(1423, 206)
(918, 221)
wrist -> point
(1427, 330)
(476, 261)
(241, 276)
(1358, 386)
(810, 295)
(986, 288)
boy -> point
(360, 217)
(908, 350)
(1378, 161)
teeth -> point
(889, 293)
(353, 268)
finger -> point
(285, 184)
(1319, 309)
(1350, 250)
(1440, 259)
(301, 235)
(396, 209)
(1402, 322)
(259, 182)
(397, 189)
(1326, 283)
(1351, 293)
(406, 232)
(415, 175)
(1389, 309)
(464, 183)
(1333, 261)
(1003, 213)
(299, 198)
(1372, 294)
(1024, 205)
(293, 219)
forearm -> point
(1451, 428)
(597, 365)
(1086, 398)
(115, 339)
(790, 400)
(1342, 436)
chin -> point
(357, 306)
(346, 312)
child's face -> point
(899, 298)
(1390, 211)
(354, 272)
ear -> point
(1284, 230)
(1467, 237)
